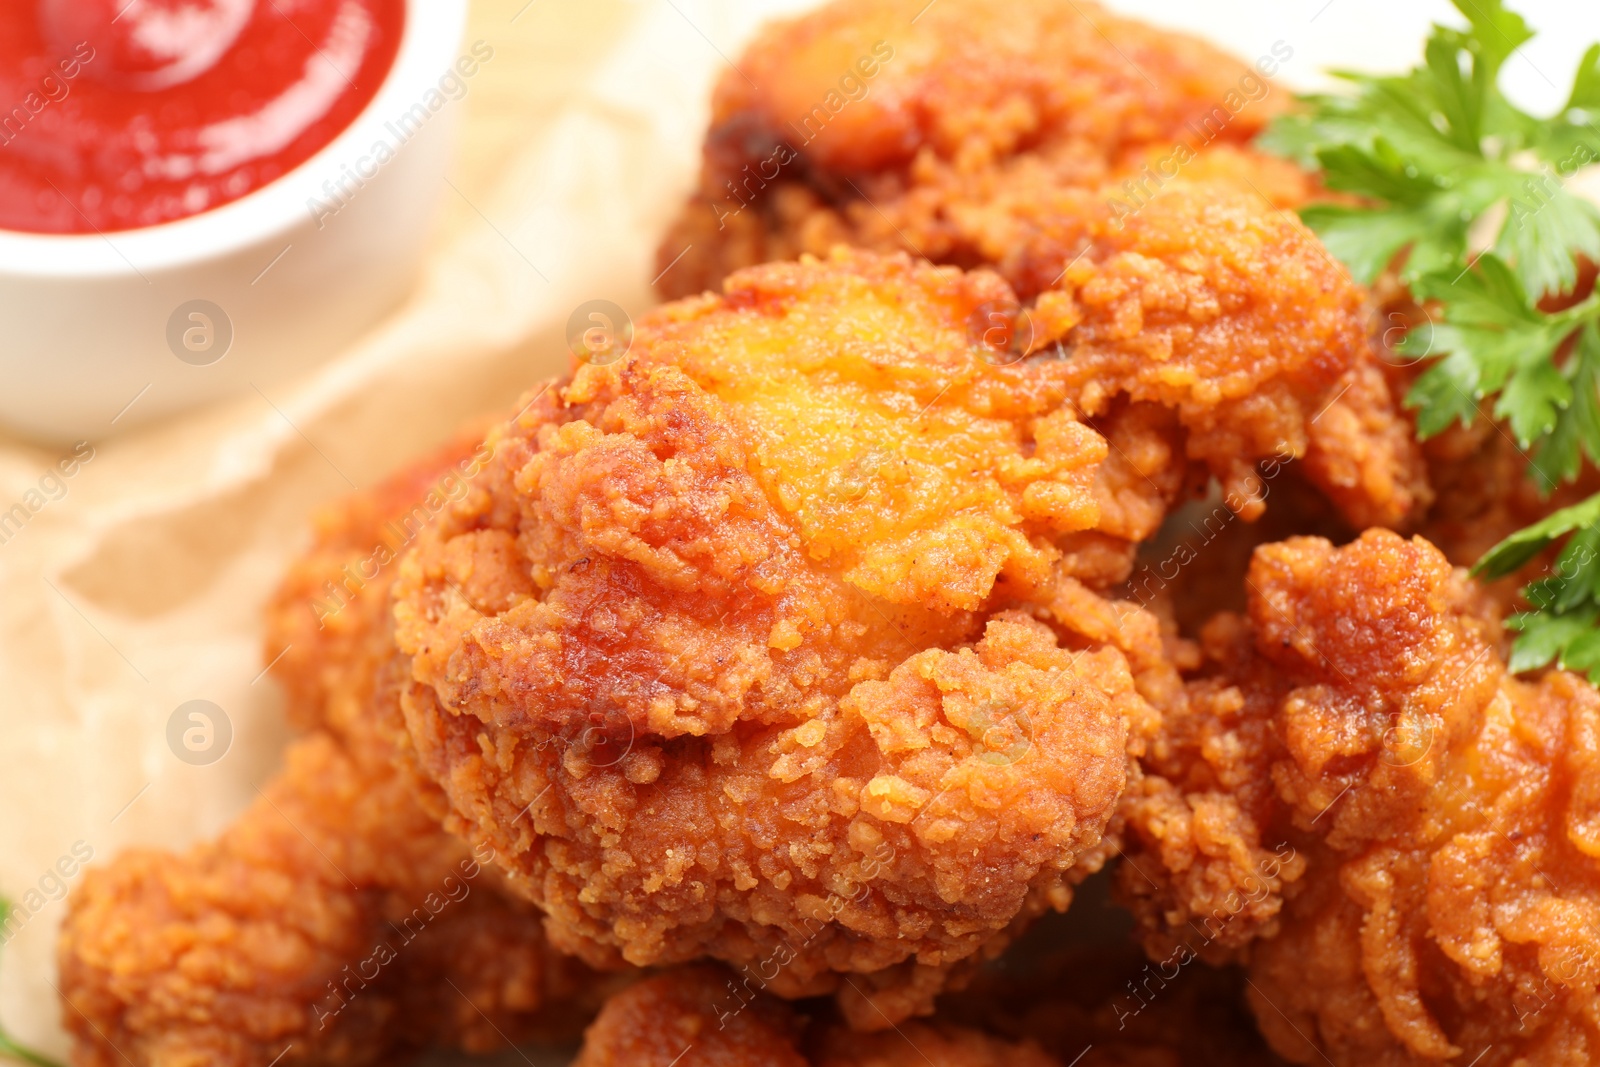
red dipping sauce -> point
(118, 114)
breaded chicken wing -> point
(1406, 837)
(335, 922)
(1100, 167)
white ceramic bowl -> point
(101, 334)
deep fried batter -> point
(1022, 137)
(701, 1016)
(716, 653)
(921, 163)
(326, 925)
(1409, 835)
(335, 922)
(958, 116)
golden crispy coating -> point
(1098, 166)
(326, 632)
(335, 922)
(701, 1016)
(1224, 312)
(943, 118)
(715, 652)
(1410, 835)
(326, 925)
(697, 1015)
(1237, 320)
(976, 78)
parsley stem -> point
(11, 1050)
(1580, 314)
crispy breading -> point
(957, 108)
(1102, 168)
(701, 1015)
(335, 922)
(720, 654)
(699, 1010)
(326, 626)
(326, 925)
(1404, 835)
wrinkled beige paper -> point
(141, 587)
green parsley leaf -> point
(1547, 229)
(1366, 240)
(1520, 548)
(1578, 430)
(1445, 394)
(1496, 31)
(1439, 147)
(1498, 342)
(1445, 165)
(1544, 638)
(1586, 85)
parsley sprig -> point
(9, 1047)
(1462, 194)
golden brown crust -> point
(1088, 160)
(326, 630)
(695, 1015)
(948, 109)
(1404, 832)
(709, 697)
(335, 922)
(327, 925)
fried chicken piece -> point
(890, 127)
(701, 1016)
(1409, 836)
(729, 651)
(327, 926)
(335, 922)
(327, 624)
(1022, 140)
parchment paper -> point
(140, 587)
